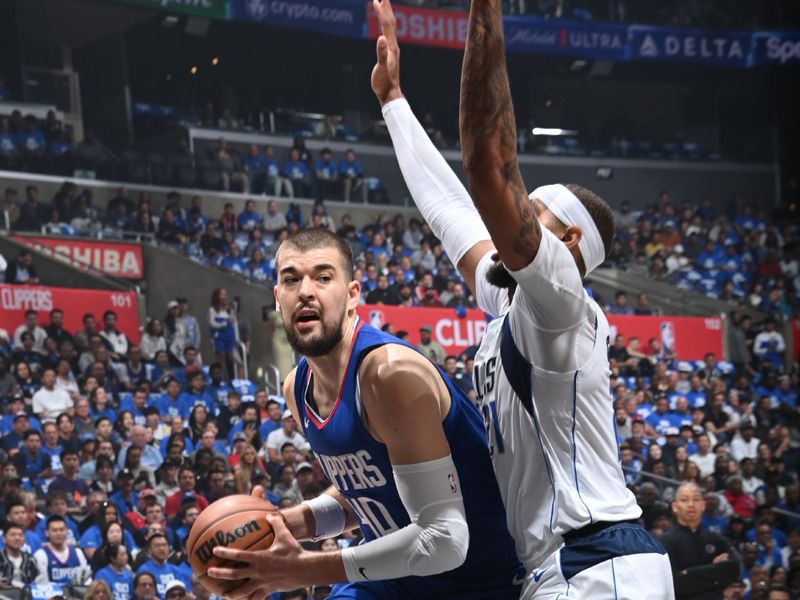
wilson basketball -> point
(235, 522)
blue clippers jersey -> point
(62, 572)
(359, 466)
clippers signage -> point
(338, 17)
(111, 258)
(454, 333)
(723, 48)
(690, 337)
(16, 299)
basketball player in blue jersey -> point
(541, 372)
(405, 450)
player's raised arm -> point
(488, 140)
(435, 188)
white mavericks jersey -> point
(550, 419)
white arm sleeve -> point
(438, 193)
(552, 316)
(437, 538)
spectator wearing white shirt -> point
(116, 341)
(50, 402)
(287, 433)
(769, 344)
(31, 324)
(750, 483)
(744, 444)
(704, 458)
(274, 219)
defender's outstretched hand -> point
(386, 73)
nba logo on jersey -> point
(376, 318)
(453, 486)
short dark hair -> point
(54, 519)
(69, 452)
(9, 526)
(310, 239)
(31, 432)
(599, 211)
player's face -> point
(314, 297)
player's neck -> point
(328, 369)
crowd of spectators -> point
(110, 449)
(728, 426)
(739, 254)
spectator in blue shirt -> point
(233, 261)
(620, 306)
(9, 149)
(31, 142)
(328, 185)
(660, 419)
(259, 268)
(197, 394)
(255, 165)
(172, 403)
(249, 219)
(158, 550)
(353, 176)
(125, 498)
(297, 173)
(217, 388)
(117, 574)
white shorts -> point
(623, 562)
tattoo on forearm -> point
(487, 124)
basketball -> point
(235, 522)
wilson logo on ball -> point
(206, 552)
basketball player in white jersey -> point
(542, 372)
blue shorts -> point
(501, 583)
(224, 345)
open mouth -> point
(307, 316)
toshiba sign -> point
(112, 258)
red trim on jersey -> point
(310, 413)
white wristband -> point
(329, 516)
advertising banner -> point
(691, 337)
(337, 17)
(16, 299)
(454, 333)
(112, 258)
(776, 48)
(424, 26)
(587, 39)
(448, 29)
(213, 9)
(722, 48)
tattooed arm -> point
(488, 140)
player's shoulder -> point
(390, 364)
